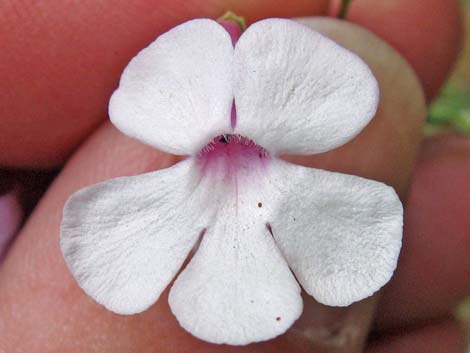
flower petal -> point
(125, 239)
(340, 234)
(176, 94)
(297, 91)
(237, 289)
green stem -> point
(232, 16)
(343, 11)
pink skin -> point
(61, 61)
(11, 216)
(426, 32)
(436, 220)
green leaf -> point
(451, 109)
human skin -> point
(436, 245)
(47, 303)
(427, 33)
(61, 62)
(11, 214)
(436, 218)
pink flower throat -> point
(227, 154)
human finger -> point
(433, 273)
(427, 33)
(61, 61)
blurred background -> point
(450, 114)
(451, 111)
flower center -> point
(229, 154)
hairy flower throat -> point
(227, 154)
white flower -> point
(257, 217)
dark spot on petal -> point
(260, 204)
(294, 218)
(278, 318)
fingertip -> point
(61, 61)
(427, 33)
(433, 267)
